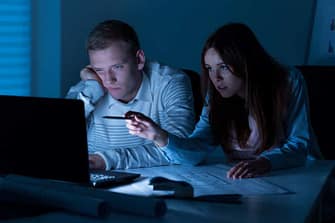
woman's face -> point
(221, 75)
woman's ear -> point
(140, 59)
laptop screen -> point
(43, 137)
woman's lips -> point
(222, 88)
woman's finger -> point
(243, 173)
(233, 170)
(241, 169)
(132, 127)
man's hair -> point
(107, 32)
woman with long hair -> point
(255, 108)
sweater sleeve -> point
(294, 149)
(89, 91)
(194, 149)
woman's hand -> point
(250, 168)
(142, 126)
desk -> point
(309, 183)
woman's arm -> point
(191, 150)
(299, 135)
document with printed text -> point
(206, 180)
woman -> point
(256, 109)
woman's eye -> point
(224, 67)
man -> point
(120, 79)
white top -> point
(248, 152)
(165, 96)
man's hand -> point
(250, 168)
(96, 162)
(142, 126)
(88, 73)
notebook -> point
(46, 138)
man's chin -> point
(115, 96)
(119, 98)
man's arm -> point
(89, 90)
(126, 158)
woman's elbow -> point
(190, 158)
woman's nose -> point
(218, 76)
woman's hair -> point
(109, 31)
(266, 89)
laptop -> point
(46, 138)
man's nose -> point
(110, 77)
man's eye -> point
(99, 71)
(118, 66)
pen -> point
(116, 117)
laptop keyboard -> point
(97, 176)
(99, 179)
(110, 178)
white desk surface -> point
(308, 182)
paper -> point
(206, 180)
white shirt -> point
(249, 151)
(165, 96)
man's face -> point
(119, 70)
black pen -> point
(116, 117)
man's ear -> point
(140, 59)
